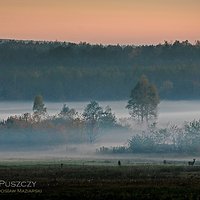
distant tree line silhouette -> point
(69, 71)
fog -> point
(174, 112)
(178, 111)
(169, 111)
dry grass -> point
(107, 182)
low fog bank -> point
(49, 152)
(68, 143)
(84, 155)
(148, 140)
(124, 139)
(70, 135)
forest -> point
(61, 71)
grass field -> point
(102, 179)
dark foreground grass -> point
(104, 182)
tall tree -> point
(68, 113)
(92, 113)
(38, 105)
(108, 119)
(144, 100)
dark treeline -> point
(69, 71)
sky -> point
(101, 21)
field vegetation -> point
(157, 181)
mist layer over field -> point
(169, 111)
(50, 145)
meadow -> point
(103, 179)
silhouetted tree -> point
(107, 118)
(38, 105)
(144, 100)
(92, 113)
(68, 113)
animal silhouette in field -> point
(191, 163)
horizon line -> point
(103, 44)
